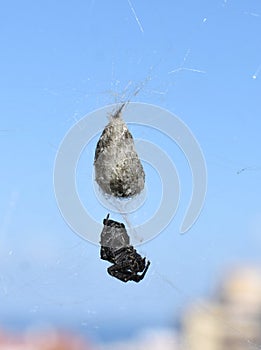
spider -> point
(116, 248)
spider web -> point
(49, 276)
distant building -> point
(232, 321)
(155, 339)
(51, 340)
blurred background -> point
(61, 61)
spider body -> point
(116, 248)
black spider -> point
(116, 248)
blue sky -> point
(62, 60)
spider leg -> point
(137, 278)
(116, 272)
(106, 220)
(106, 254)
(124, 275)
